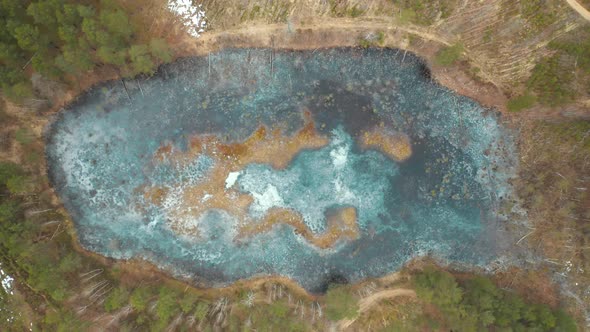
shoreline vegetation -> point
(60, 286)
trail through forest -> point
(366, 303)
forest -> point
(63, 40)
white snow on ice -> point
(206, 197)
(339, 156)
(232, 177)
(268, 199)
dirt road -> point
(367, 302)
(264, 31)
(579, 8)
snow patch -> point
(232, 177)
(268, 199)
(339, 156)
(341, 147)
(6, 282)
(343, 192)
(192, 16)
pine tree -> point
(28, 37)
(141, 60)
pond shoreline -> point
(276, 36)
(379, 61)
(334, 33)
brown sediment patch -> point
(341, 224)
(263, 146)
(397, 146)
(156, 195)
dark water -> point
(439, 202)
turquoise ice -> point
(442, 202)
(330, 177)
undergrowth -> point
(449, 55)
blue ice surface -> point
(441, 202)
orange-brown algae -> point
(397, 146)
(342, 224)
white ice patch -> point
(339, 156)
(192, 16)
(206, 197)
(268, 199)
(232, 177)
(340, 149)
(338, 136)
(343, 193)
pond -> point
(323, 165)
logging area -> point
(514, 75)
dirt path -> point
(255, 31)
(579, 8)
(366, 303)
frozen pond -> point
(315, 165)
